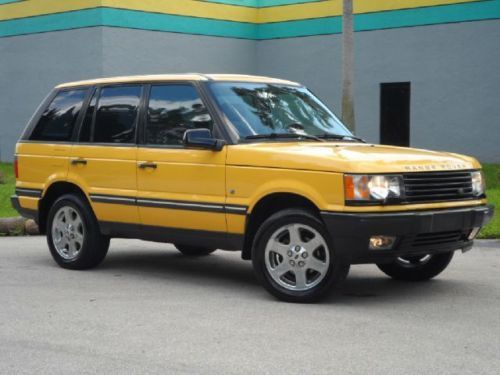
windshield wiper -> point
(284, 136)
(340, 137)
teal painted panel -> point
(8, 1)
(179, 24)
(489, 9)
(290, 29)
(52, 22)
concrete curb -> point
(18, 226)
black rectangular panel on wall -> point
(395, 113)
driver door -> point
(178, 188)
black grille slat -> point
(437, 186)
(439, 238)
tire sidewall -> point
(336, 271)
(92, 249)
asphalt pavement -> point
(149, 310)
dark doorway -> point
(395, 113)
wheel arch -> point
(51, 194)
(267, 206)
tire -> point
(418, 268)
(194, 251)
(293, 257)
(73, 234)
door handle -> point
(147, 165)
(79, 161)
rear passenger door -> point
(44, 152)
(103, 161)
(179, 188)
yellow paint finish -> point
(29, 202)
(218, 11)
(30, 8)
(236, 223)
(333, 8)
(189, 175)
(183, 219)
(40, 164)
(118, 213)
(109, 170)
(192, 8)
(344, 157)
(251, 184)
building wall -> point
(453, 70)
(128, 51)
(447, 49)
(31, 65)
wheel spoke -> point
(71, 248)
(317, 265)
(280, 269)
(79, 238)
(314, 243)
(300, 278)
(277, 247)
(294, 232)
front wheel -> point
(417, 268)
(294, 259)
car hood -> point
(345, 157)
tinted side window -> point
(116, 116)
(59, 118)
(172, 110)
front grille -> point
(437, 186)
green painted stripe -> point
(202, 26)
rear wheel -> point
(293, 257)
(417, 268)
(194, 250)
(73, 234)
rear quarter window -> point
(58, 120)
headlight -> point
(478, 185)
(372, 188)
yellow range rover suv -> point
(244, 163)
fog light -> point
(382, 242)
(473, 233)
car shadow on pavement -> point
(362, 287)
(171, 265)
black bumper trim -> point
(350, 232)
(24, 212)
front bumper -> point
(417, 232)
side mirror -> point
(202, 138)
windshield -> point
(265, 109)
